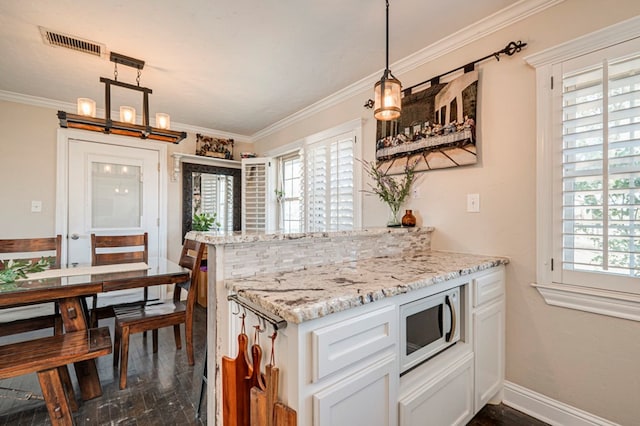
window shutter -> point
(217, 197)
(257, 198)
(329, 183)
(600, 213)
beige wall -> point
(582, 359)
(27, 170)
(28, 146)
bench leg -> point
(116, 344)
(55, 398)
(154, 334)
(124, 357)
(65, 378)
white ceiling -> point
(237, 66)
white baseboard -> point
(547, 409)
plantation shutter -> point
(600, 177)
(216, 197)
(329, 183)
(257, 201)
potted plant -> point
(204, 222)
(392, 191)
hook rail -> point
(276, 322)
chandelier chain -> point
(138, 77)
(115, 71)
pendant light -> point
(387, 104)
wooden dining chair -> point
(111, 250)
(32, 249)
(133, 319)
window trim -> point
(600, 301)
(301, 146)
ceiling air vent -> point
(54, 38)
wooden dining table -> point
(68, 286)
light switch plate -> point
(473, 203)
(36, 206)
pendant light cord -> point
(386, 70)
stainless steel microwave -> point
(428, 326)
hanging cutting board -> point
(284, 416)
(258, 396)
(236, 389)
(271, 381)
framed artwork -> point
(436, 130)
(214, 147)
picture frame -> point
(209, 146)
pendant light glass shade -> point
(388, 102)
(128, 114)
(163, 121)
(86, 107)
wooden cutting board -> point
(271, 381)
(258, 396)
(236, 388)
(284, 416)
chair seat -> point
(136, 316)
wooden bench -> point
(48, 357)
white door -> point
(113, 190)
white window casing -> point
(588, 163)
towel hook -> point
(237, 310)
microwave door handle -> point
(450, 334)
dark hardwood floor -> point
(502, 415)
(161, 389)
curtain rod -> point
(510, 49)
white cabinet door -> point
(489, 351)
(365, 398)
(446, 400)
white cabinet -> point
(444, 400)
(489, 332)
(349, 374)
(364, 398)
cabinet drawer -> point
(339, 345)
(488, 287)
(445, 400)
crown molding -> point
(68, 106)
(605, 37)
(491, 24)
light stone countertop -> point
(321, 290)
(227, 237)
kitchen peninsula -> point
(342, 295)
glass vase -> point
(394, 219)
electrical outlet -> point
(473, 203)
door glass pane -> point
(116, 196)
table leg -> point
(74, 319)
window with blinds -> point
(291, 195)
(329, 183)
(600, 177)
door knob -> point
(75, 236)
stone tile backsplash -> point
(247, 259)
